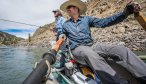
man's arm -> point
(62, 21)
(63, 30)
(108, 21)
(131, 7)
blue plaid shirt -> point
(79, 32)
(59, 23)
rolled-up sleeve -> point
(63, 20)
(105, 22)
(60, 24)
(63, 29)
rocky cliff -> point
(8, 39)
(128, 32)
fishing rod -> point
(19, 22)
(22, 23)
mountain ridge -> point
(8, 39)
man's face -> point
(72, 10)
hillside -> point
(8, 39)
(41, 37)
(128, 32)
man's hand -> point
(131, 7)
(56, 47)
(63, 36)
(60, 41)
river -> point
(17, 62)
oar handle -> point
(141, 19)
(58, 44)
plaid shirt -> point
(59, 23)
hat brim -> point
(81, 5)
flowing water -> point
(17, 62)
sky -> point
(36, 12)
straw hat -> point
(78, 3)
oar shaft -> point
(141, 19)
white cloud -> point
(37, 12)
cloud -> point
(36, 12)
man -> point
(77, 30)
(59, 21)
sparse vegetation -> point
(8, 39)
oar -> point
(37, 75)
(140, 16)
(141, 19)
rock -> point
(119, 30)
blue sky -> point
(16, 30)
(36, 12)
(19, 32)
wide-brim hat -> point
(78, 3)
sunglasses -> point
(70, 6)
